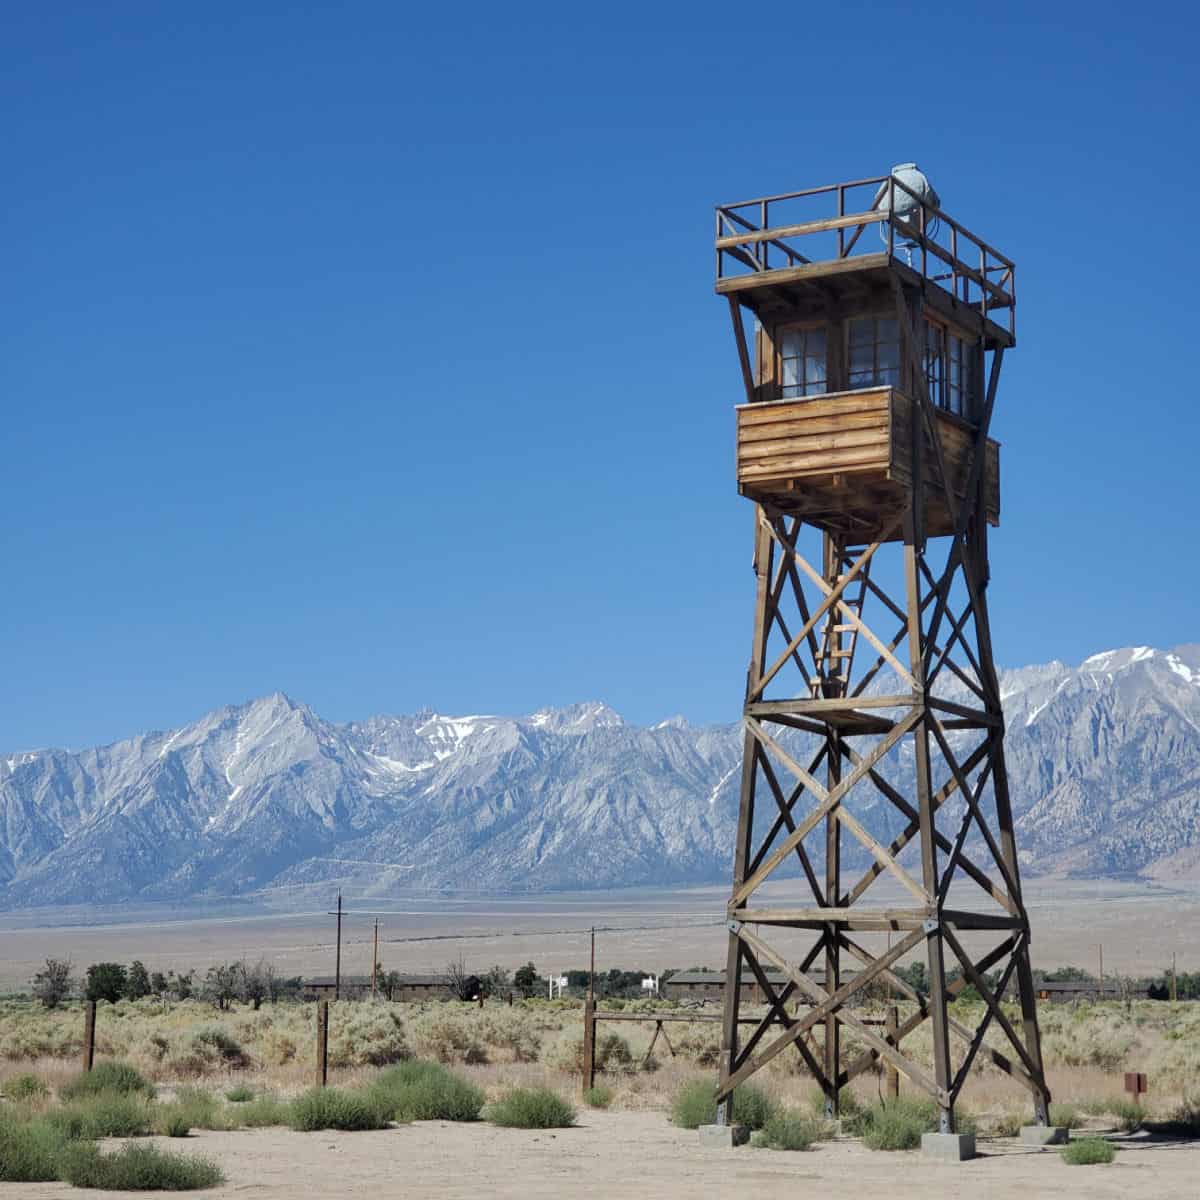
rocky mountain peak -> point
(267, 793)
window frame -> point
(875, 343)
(804, 328)
(959, 374)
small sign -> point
(1135, 1083)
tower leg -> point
(764, 558)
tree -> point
(527, 980)
(53, 984)
(182, 986)
(105, 981)
(462, 985)
(387, 983)
(137, 982)
(158, 983)
(221, 984)
(497, 982)
(254, 984)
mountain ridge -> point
(1104, 760)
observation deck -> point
(851, 238)
(873, 306)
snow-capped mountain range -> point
(1104, 760)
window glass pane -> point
(888, 330)
(789, 345)
(862, 360)
(791, 372)
(862, 329)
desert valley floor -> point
(1138, 924)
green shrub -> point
(240, 1094)
(426, 1091)
(598, 1096)
(116, 1077)
(29, 1150)
(1066, 1115)
(106, 1115)
(200, 1109)
(850, 1108)
(329, 1108)
(532, 1108)
(1129, 1113)
(898, 1124)
(258, 1114)
(24, 1087)
(139, 1168)
(172, 1123)
(1088, 1150)
(1009, 1124)
(789, 1131)
(694, 1106)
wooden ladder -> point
(835, 654)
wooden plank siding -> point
(818, 454)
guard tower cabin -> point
(877, 294)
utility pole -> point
(1174, 980)
(592, 972)
(375, 961)
(337, 970)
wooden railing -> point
(756, 236)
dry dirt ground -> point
(639, 1153)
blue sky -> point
(371, 354)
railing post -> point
(89, 1034)
(841, 213)
(322, 1042)
(893, 1075)
(589, 1044)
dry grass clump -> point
(531, 1108)
(1088, 1151)
(117, 1078)
(789, 1130)
(366, 1035)
(598, 1096)
(695, 1105)
(29, 1148)
(24, 1087)
(425, 1091)
(330, 1108)
(136, 1168)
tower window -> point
(874, 352)
(950, 370)
(802, 362)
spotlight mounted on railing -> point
(907, 205)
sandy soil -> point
(639, 1153)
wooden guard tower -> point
(874, 819)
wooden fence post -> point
(893, 1029)
(589, 1044)
(322, 1042)
(89, 1034)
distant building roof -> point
(718, 977)
(365, 981)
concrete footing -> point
(948, 1147)
(1043, 1135)
(723, 1137)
